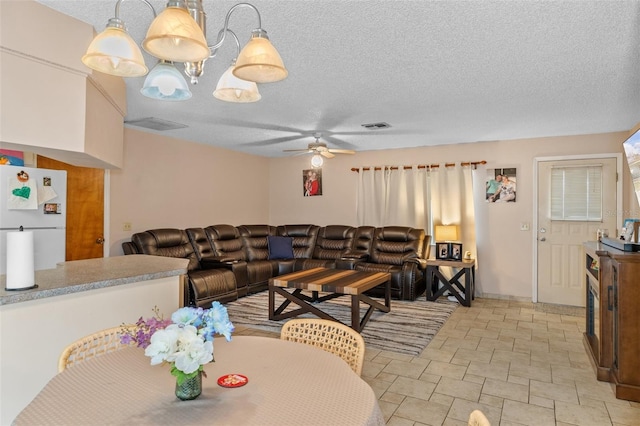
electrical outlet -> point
(524, 226)
(126, 226)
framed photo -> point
(501, 185)
(442, 251)
(52, 208)
(312, 182)
(455, 251)
(630, 230)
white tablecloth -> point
(289, 384)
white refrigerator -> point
(35, 199)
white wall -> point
(504, 252)
(173, 183)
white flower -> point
(192, 353)
(163, 345)
(187, 344)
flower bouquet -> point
(185, 342)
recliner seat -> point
(203, 286)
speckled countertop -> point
(83, 275)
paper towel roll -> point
(20, 260)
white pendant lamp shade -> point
(259, 61)
(175, 36)
(165, 83)
(316, 160)
(232, 89)
(114, 52)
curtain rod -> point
(421, 166)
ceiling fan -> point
(318, 149)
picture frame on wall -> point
(455, 251)
(442, 251)
(312, 182)
(501, 185)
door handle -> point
(543, 239)
(100, 240)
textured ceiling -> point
(439, 72)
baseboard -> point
(502, 297)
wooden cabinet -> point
(612, 334)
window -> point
(576, 193)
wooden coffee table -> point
(336, 282)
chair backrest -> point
(200, 243)
(331, 336)
(226, 241)
(333, 241)
(395, 244)
(477, 418)
(254, 240)
(303, 238)
(91, 346)
(169, 242)
(362, 241)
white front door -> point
(560, 238)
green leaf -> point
(181, 376)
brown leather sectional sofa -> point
(227, 262)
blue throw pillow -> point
(280, 247)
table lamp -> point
(446, 233)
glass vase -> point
(190, 388)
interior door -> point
(85, 211)
(559, 241)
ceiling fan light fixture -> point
(175, 36)
(259, 61)
(233, 89)
(316, 160)
(114, 52)
(165, 83)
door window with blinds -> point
(576, 193)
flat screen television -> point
(632, 152)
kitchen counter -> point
(71, 301)
(82, 275)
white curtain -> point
(393, 197)
(418, 198)
(453, 202)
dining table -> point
(288, 383)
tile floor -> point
(520, 363)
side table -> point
(434, 277)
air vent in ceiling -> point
(156, 124)
(377, 126)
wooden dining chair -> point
(91, 346)
(477, 418)
(331, 336)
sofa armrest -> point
(237, 266)
(422, 263)
(129, 247)
(354, 255)
(347, 263)
(212, 262)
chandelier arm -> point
(235, 37)
(220, 40)
(144, 1)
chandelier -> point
(177, 34)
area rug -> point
(407, 329)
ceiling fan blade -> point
(338, 142)
(327, 154)
(342, 151)
(274, 141)
(297, 150)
